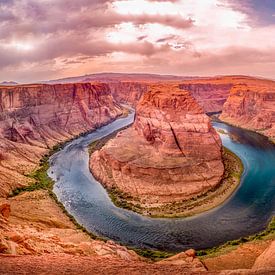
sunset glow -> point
(22, 46)
(38, 38)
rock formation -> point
(35, 117)
(170, 154)
(210, 96)
(266, 259)
(32, 225)
(128, 92)
(42, 113)
(210, 92)
(252, 107)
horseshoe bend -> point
(169, 163)
(169, 156)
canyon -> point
(170, 154)
(252, 107)
(244, 101)
(34, 230)
(33, 118)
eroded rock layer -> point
(170, 154)
(252, 107)
(210, 96)
(35, 117)
(128, 92)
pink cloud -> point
(191, 37)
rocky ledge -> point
(169, 155)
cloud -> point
(180, 36)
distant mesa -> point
(115, 77)
(8, 83)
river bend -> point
(246, 212)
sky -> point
(50, 39)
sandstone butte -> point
(170, 154)
(36, 237)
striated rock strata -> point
(170, 154)
(252, 107)
(35, 117)
(210, 96)
(128, 92)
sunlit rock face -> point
(35, 117)
(252, 107)
(171, 153)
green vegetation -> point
(43, 182)
(40, 176)
(268, 233)
(222, 131)
(231, 179)
(121, 199)
(154, 255)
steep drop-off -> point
(170, 154)
(252, 107)
(210, 92)
(210, 96)
(128, 92)
(35, 117)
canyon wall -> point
(35, 117)
(209, 96)
(170, 154)
(128, 92)
(252, 107)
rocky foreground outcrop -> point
(252, 107)
(170, 154)
(33, 118)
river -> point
(246, 212)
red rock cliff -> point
(128, 92)
(210, 96)
(35, 117)
(252, 107)
(170, 154)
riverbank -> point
(216, 118)
(147, 253)
(216, 196)
(240, 253)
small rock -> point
(5, 210)
(190, 253)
